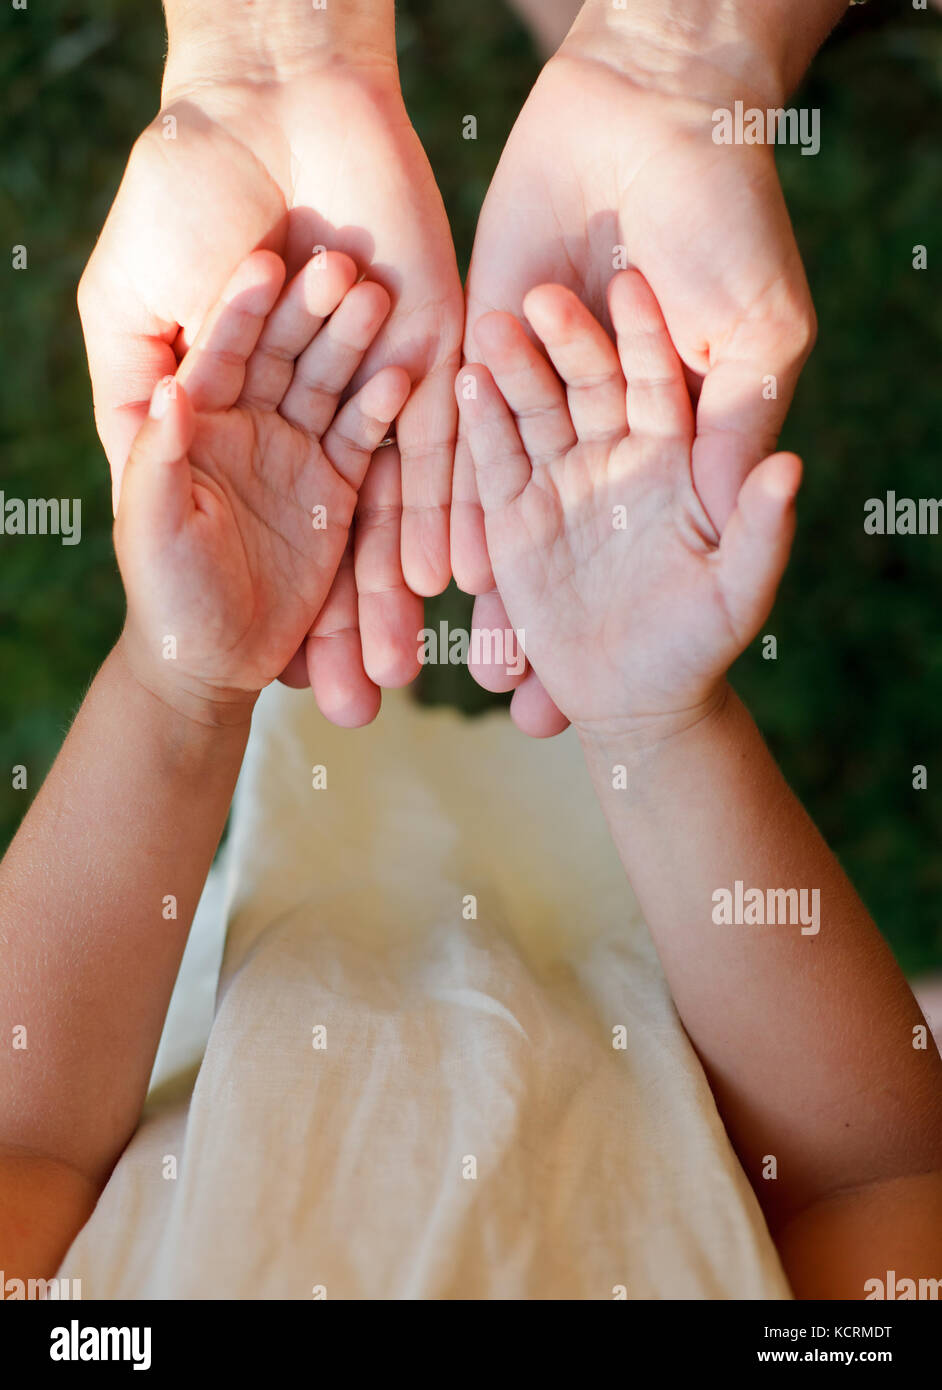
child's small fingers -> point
(305, 302)
(658, 399)
(391, 615)
(168, 430)
(529, 385)
(213, 370)
(156, 482)
(501, 465)
(344, 692)
(584, 356)
(360, 426)
(757, 540)
(325, 367)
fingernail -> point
(164, 392)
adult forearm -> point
(762, 46)
(795, 28)
(801, 1017)
(282, 39)
(97, 893)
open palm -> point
(601, 172)
(602, 550)
(236, 504)
(327, 160)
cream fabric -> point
(469, 1130)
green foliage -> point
(852, 702)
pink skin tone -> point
(813, 1045)
(254, 508)
(613, 156)
(226, 576)
(244, 154)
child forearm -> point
(813, 1044)
(225, 576)
(97, 893)
(633, 610)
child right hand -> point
(631, 608)
(241, 486)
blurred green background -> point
(855, 698)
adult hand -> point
(287, 131)
(612, 163)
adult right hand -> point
(611, 164)
(294, 136)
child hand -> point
(631, 609)
(241, 485)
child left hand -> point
(631, 609)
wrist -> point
(648, 740)
(273, 41)
(707, 50)
(196, 710)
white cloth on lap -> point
(401, 1099)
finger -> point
(213, 370)
(744, 400)
(533, 712)
(426, 436)
(585, 357)
(344, 692)
(156, 488)
(360, 426)
(295, 673)
(501, 466)
(658, 400)
(469, 559)
(390, 615)
(496, 658)
(529, 386)
(304, 304)
(756, 543)
(327, 364)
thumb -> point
(156, 482)
(129, 350)
(757, 540)
(736, 427)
